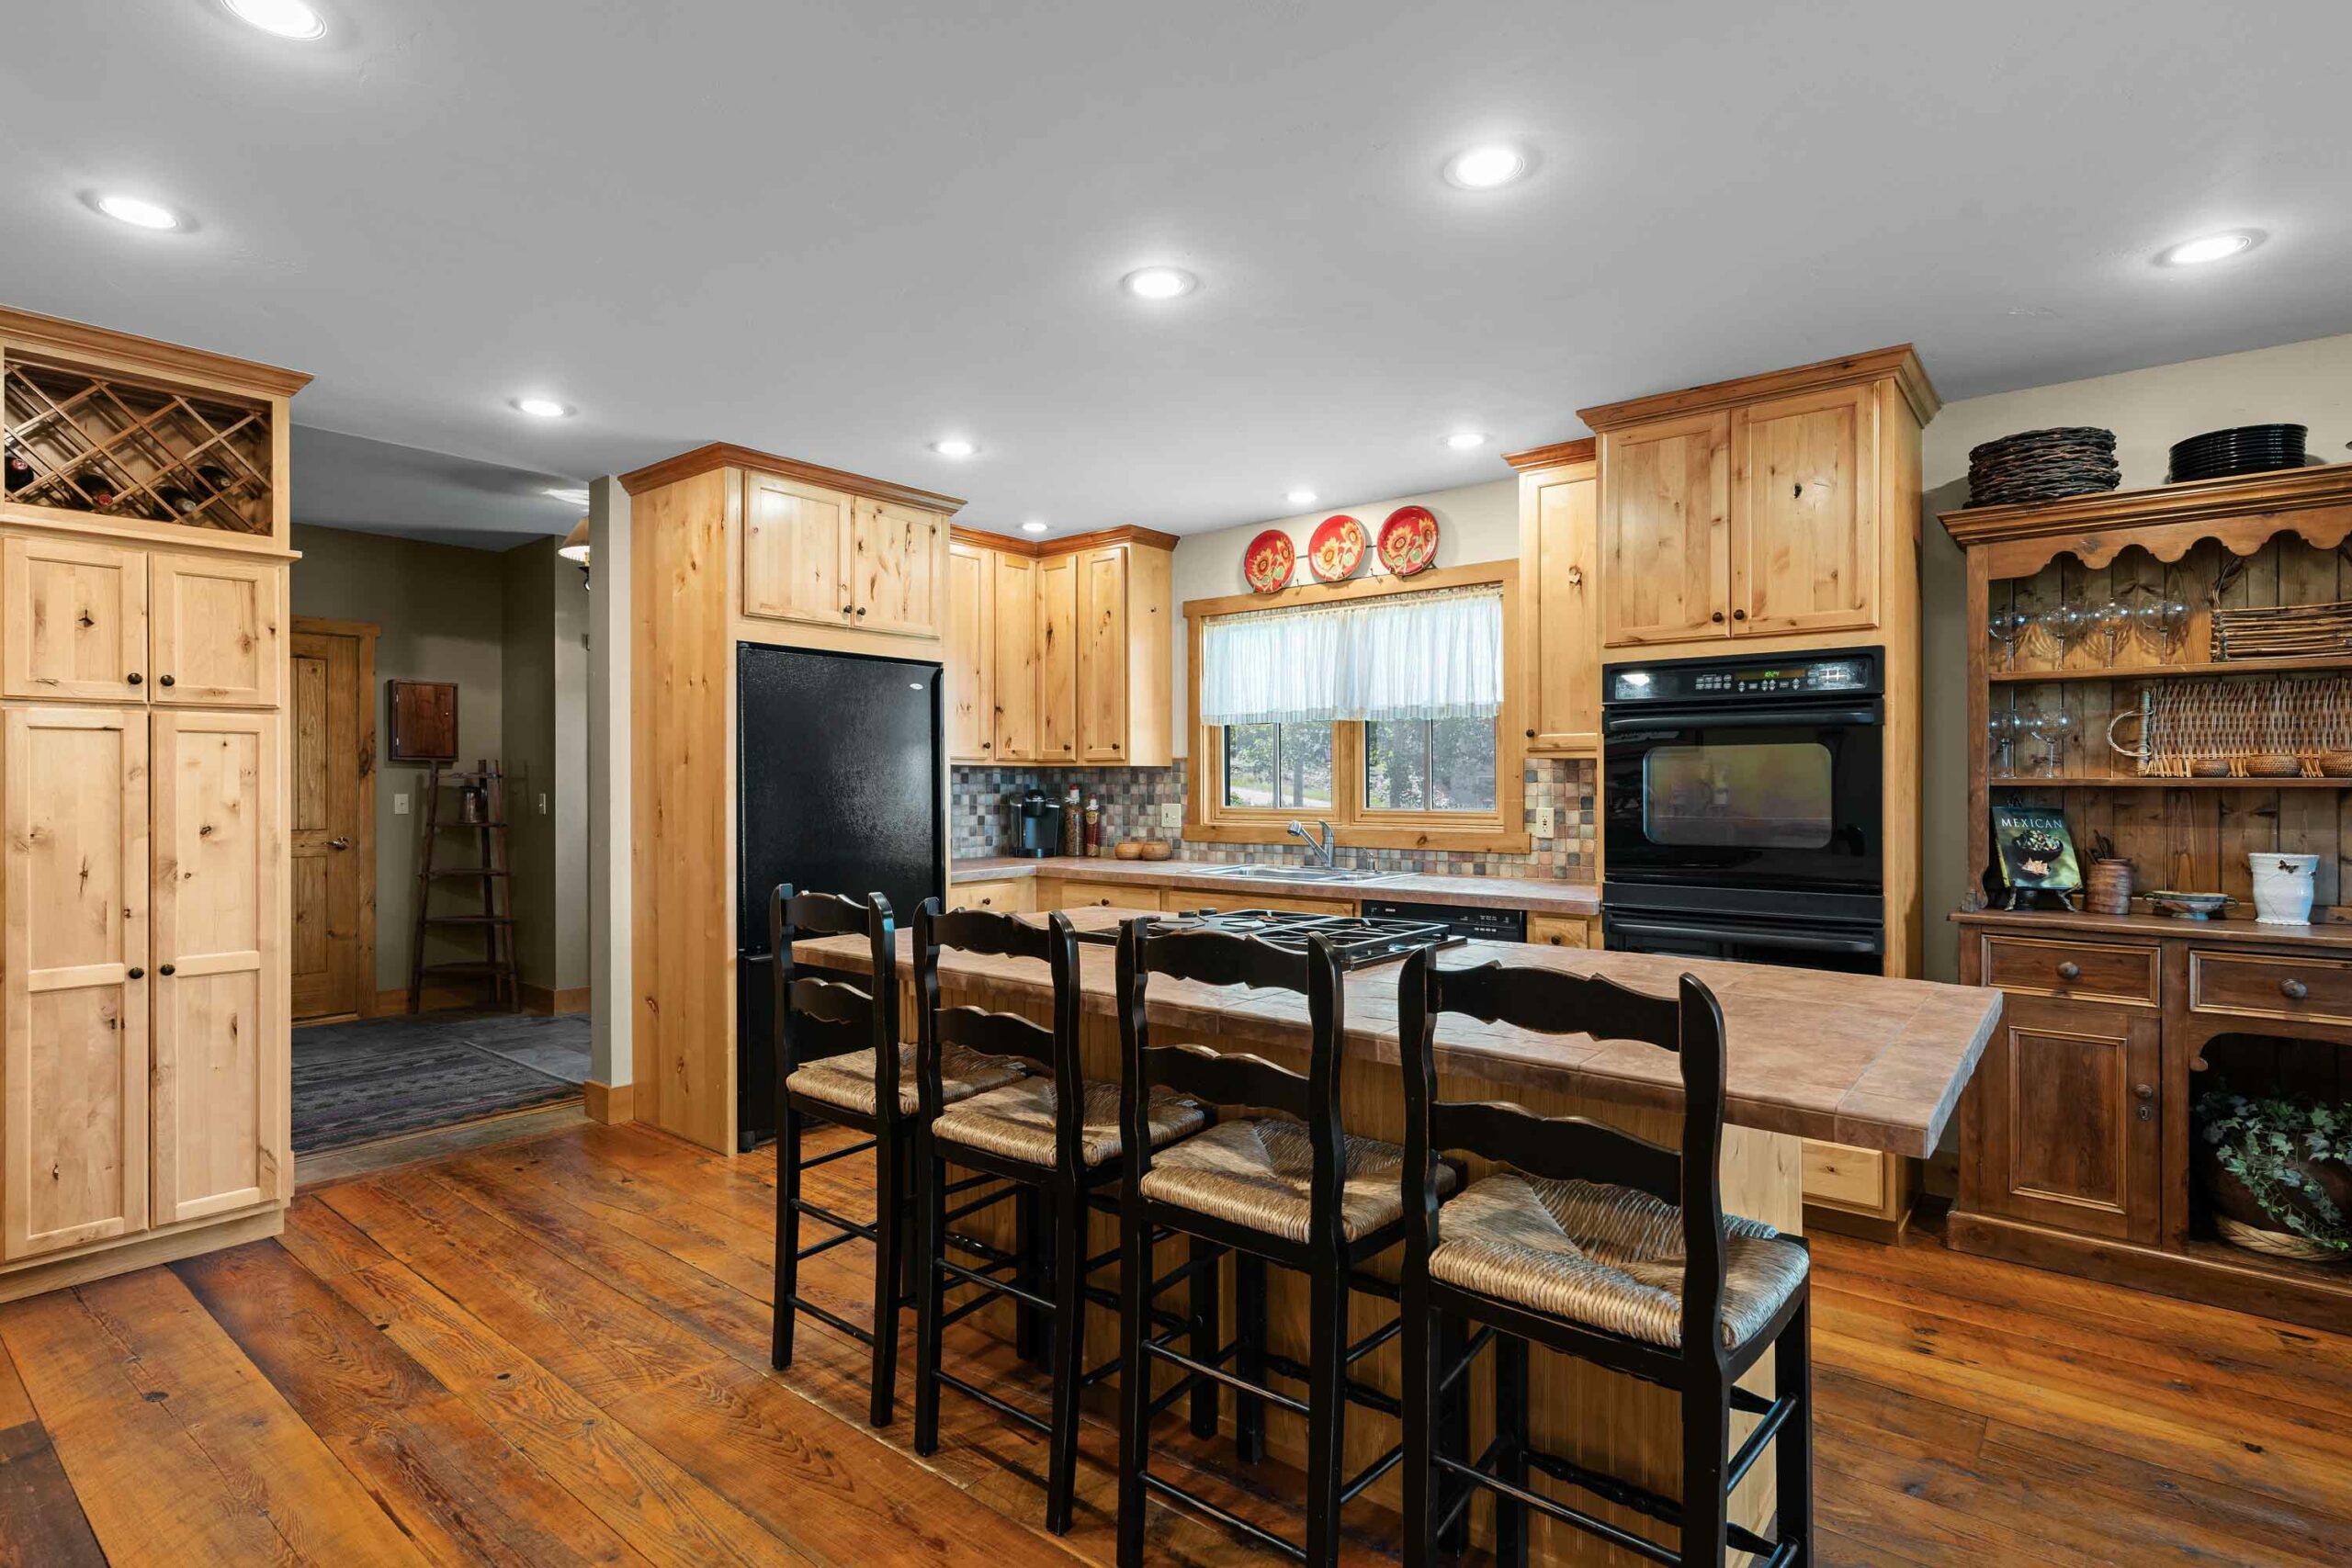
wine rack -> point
(92, 441)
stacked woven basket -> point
(2042, 465)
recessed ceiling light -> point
(287, 19)
(569, 497)
(1032, 527)
(2210, 248)
(138, 213)
(1160, 283)
(1300, 498)
(1463, 440)
(542, 408)
(1484, 168)
(954, 446)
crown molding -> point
(1899, 363)
(1005, 543)
(77, 340)
(726, 454)
(1557, 455)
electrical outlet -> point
(399, 805)
(1171, 815)
(1543, 822)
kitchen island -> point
(1874, 1062)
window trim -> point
(1501, 831)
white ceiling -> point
(838, 229)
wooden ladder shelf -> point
(490, 876)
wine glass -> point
(2065, 623)
(2007, 628)
(2055, 730)
(2004, 728)
(2164, 620)
(2112, 621)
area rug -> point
(380, 1077)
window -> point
(1382, 709)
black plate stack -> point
(2247, 449)
(2042, 465)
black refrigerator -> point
(839, 790)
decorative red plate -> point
(1336, 547)
(1267, 563)
(1408, 540)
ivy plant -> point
(2270, 1144)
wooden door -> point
(1016, 659)
(73, 976)
(971, 653)
(1559, 623)
(1103, 655)
(216, 631)
(796, 546)
(330, 835)
(76, 620)
(1804, 514)
(1665, 512)
(1058, 660)
(220, 1043)
(2070, 1119)
(895, 568)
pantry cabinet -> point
(76, 619)
(215, 631)
(1559, 622)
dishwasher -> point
(1459, 919)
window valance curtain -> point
(1436, 655)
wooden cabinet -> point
(895, 555)
(217, 631)
(1664, 522)
(74, 878)
(1057, 621)
(1804, 514)
(1102, 656)
(794, 538)
(1010, 896)
(1560, 931)
(1015, 615)
(972, 707)
(2281, 991)
(76, 619)
(1559, 621)
(2068, 1120)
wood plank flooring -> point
(556, 1351)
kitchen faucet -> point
(1324, 848)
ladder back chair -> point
(837, 1061)
(1292, 1188)
(1596, 1244)
(1055, 1139)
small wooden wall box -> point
(424, 726)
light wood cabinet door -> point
(215, 627)
(2069, 1119)
(73, 882)
(1804, 514)
(971, 653)
(796, 547)
(896, 561)
(1560, 931)
(1014, 895)
(1016, 659)
(1058, 660)
(76, 620)
(221, 1033)
(1665, 521)
(1103, 655)
(1559, 620)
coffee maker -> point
(1036, 825)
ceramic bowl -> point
(2189, 905)
(1157, 848)
(1128, 851)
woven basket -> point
(2212, 728)
(2273, 1244)
(2284, 631)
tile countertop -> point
(1537, 895)
(1855, 1059)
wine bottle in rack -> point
(102, 491)
(176, 501)
(20, 471)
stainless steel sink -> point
(1297, 873)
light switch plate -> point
(1171, 815)
(543, 804)
(399, 805)
(1542, 821)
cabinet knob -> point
(1740, 615)
(2070, 970)
(1530, 734)
(2293, 990)
(338, 843)
(164, 969)
(2145, 1111)
(138, 974)
(135, 678)
(984, 903)
(163, 680)
(861, 612)
(1718, 615)
(844, 609)
(2144, 1090)
(1553, 940)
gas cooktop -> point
(1358, 941)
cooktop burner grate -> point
(1359, 940)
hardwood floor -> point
(556, 1351)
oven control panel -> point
(1851, 671)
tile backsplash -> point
(980, 801)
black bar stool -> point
(837, 1061)
(1299, 1194)
(1599, 1245)
(1056, 1138)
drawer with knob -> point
(2090, 971)
(2248, 985)
(1013, 895)
(1559, 931)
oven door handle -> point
(1737, 718)
(1619, 925)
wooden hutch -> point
(143, 868)
(2078, 1132)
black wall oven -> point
(1744, 807)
